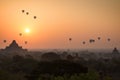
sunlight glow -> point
(27, 30)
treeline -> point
(20, 68)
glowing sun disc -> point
(27, 30)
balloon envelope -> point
(27, 13)
(108, 39)
(4, 41)
(23, 11)
(91, 40)
(83, 42)
(25, 42)
(99, 38)
(35, 17)
(20, 34)
(70, 39)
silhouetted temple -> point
(14, 48)
(115, 51)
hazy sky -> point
(57, 20)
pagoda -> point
(14, 48)
(115, 51)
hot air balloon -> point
(91, 40)
(4, 41)
(99, 38)
(27, 13)
(23, 11)
(108, 39)
(83, 42)
(70, 39)
(20, 34)
(26, 42)
(35, 17)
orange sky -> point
(57, 20)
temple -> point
(14, 48)
(115, 51)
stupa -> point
(14, 48)
(115, 51)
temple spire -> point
(14, 47)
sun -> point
(27, 30)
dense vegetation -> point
(20, 68)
